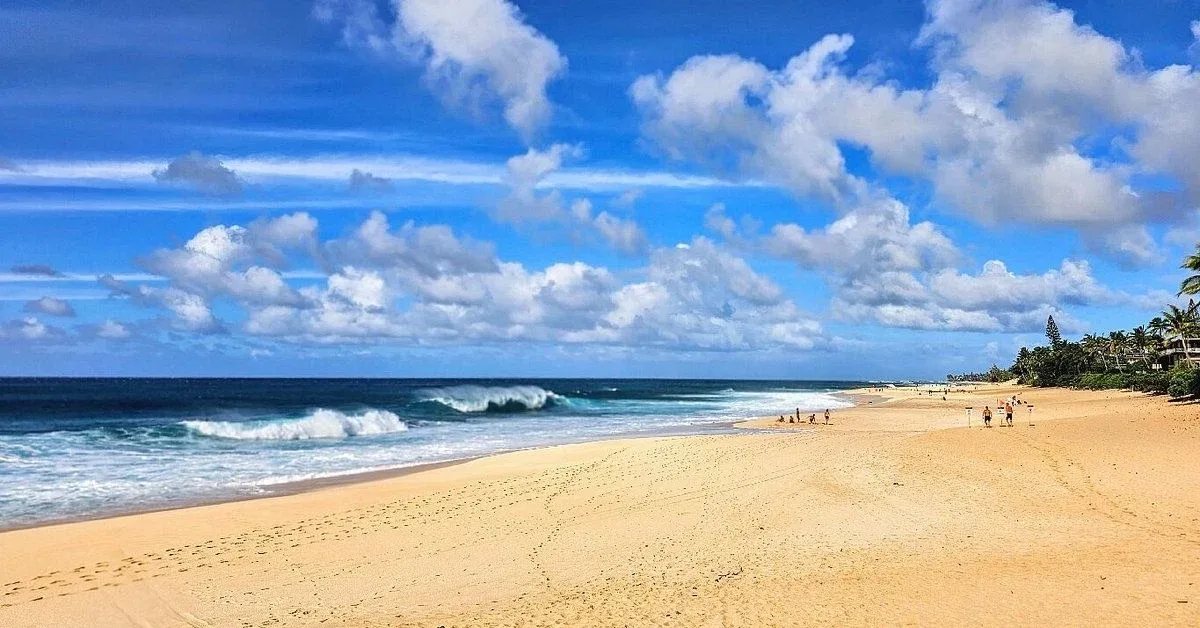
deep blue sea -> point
(72, 448)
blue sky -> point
(483, 188)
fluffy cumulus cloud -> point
(30, 330)
(190, 312)
(864, 241)
(622, 234)
(993, 300)
(211, 263)
(525, 204)
(50, 306)
(884, 269)
(112, 330)
(201, 172)
(427, 285)
(474, 51)
(1019, 88)
(223, 261)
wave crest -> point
(471, 398)
(321, 423)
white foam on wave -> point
(471, 398)
(766, 403)
(321, 423)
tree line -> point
(1121, 359)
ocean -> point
(77, 448)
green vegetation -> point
(1191, 285)
(1119, 360)
(994, 375)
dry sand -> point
(894, 514)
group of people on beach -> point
(1008, 412)
(812, 418)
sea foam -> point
(321, 423)
(470, 398)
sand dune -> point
(895, 514)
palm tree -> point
(1117, 343)
(1093, 347)
(1023, 364)
(1181, 322)
(1191, 285)
(1140, 338)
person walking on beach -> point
(826, 416)
(987, 416)
(1008, 413)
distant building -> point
(1173, 353)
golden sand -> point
(894, 514)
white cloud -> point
(993, 300)
(206, 265)
(426, 251)
(191, 311)
(628, 198)
(112, 330)
(50, 306)
(475, 52)
(365, 290)
(524, 204)
(1129, 245)
(426, 285)
(885, 270)
(1186, 234)
(622, 234)
(30, 329)
(866, 240)
(1019, 88)
(525, 172)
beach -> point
(896, 513)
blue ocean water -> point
(72, 448)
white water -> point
(479, 398)
(320, 423)
(57, 474)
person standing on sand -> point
(1008, 413)
(987, 416)
(826, 416)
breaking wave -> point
(470, 398)
(319, 423)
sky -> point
(486, 188)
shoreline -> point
(894, 513)
(858, 397)
(298, 487)
(282, 489)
